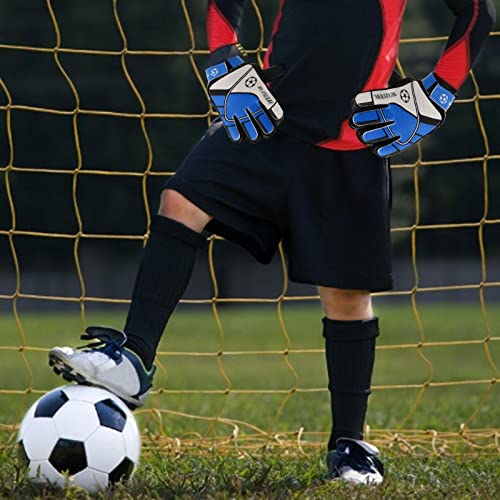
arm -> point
(223, 22)
(394, 119)
(474, 20)
(238, 90)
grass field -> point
(253, 360)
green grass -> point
(257, 329)
(272, 475)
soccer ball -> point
(79, 435)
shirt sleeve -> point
(223, 22)
(473, 21)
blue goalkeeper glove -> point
(394, 119)
(245, 104)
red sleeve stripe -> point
(455, 63)
(219, 29)
(392, 13)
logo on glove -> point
(405, 95)
(250, 82)
(214, 72)
(443, 98)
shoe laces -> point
(105, 340)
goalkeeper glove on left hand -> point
(245, 104)
(394, 119)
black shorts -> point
(330, 208)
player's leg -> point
(339, 237)
(346, 305)
(350, 331)
(219, 178)
(123, 362)
(164, 272)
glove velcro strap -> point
(216, 71)
(235, 61)
(440, 95)
(223, 68)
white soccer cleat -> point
(356, 462)
(105, 363)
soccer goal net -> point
(99, 102)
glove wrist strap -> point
(223, 68)
(439, 94)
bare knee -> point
(177, 207)
(346, 305)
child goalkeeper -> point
(319, 181)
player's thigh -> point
(241, 186)
(339, 221)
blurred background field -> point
(253, 360)
(272, 467)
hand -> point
(245, 104)
(394, 119)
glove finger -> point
(232, 131)
(388, 150)
(264, 122)
(366, 117)
(374, 135)
(249, 128)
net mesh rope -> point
(240, 433)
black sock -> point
(164, 272)
(350, 355)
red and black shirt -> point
(333, 49)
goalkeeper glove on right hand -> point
(244, 102)
(394, 119)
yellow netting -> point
(241, 433)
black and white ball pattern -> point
(82, 432)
